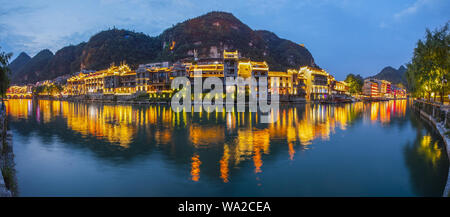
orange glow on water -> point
(195, 167)
(238, 137)
(224, 170)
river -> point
(360, 149)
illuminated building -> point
(119, 80)
(151, 77)
(230, 63)
(94, 82)
(398, 92)
(339, 88)
(19, 91)
(206, 70)
(155, 65)
(114, 80)
(375, 88)
(127, 83)
(230, 66)
(316, 80)
(159, 79)
(76, 85)
(385, 88)
(284, 82)
(307, 82)
(180, 69)
(370, 88)
(248, 68)
(142, 79)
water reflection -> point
(213, 145)
(426, 160)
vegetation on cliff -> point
(207, 36)
(114, 46)
(19, 62)
(210, 34)
(395, 76)
(35, 69)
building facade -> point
(375, 88)
(307, 82)
(316, 81)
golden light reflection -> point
(204, 136)
(242, 137)
(318, 121)
(195, 167)
(383, 111)
(20, 108)
(224, 170)
(291, 151)
(430, 150)
(112, 123)
(163, 136)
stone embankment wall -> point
(439, 116)
(8, 183)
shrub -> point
(8, 176)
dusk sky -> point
(349, 36)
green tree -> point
(355, 83)
(4, 72)
(428, 72)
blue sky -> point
(347, 36)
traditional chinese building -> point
(282, 80)
(114, 80)
(308, 82)
(316, 81)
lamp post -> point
(444, 81)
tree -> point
(428, 72)
(4, 72)
(48, 89)
(355, 83)
(400, 85)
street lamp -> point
(444, 81)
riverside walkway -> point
(437, 115)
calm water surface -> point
(359, 149)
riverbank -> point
(441, 125)
(166, 99)
(8, 181)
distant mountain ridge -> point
(214, 32)
(393, 75)
(207, 36)
(35, 68)
(19, 62)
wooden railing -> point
(440, 112)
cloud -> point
(33, 25)
(412, 10)
(419, 4)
